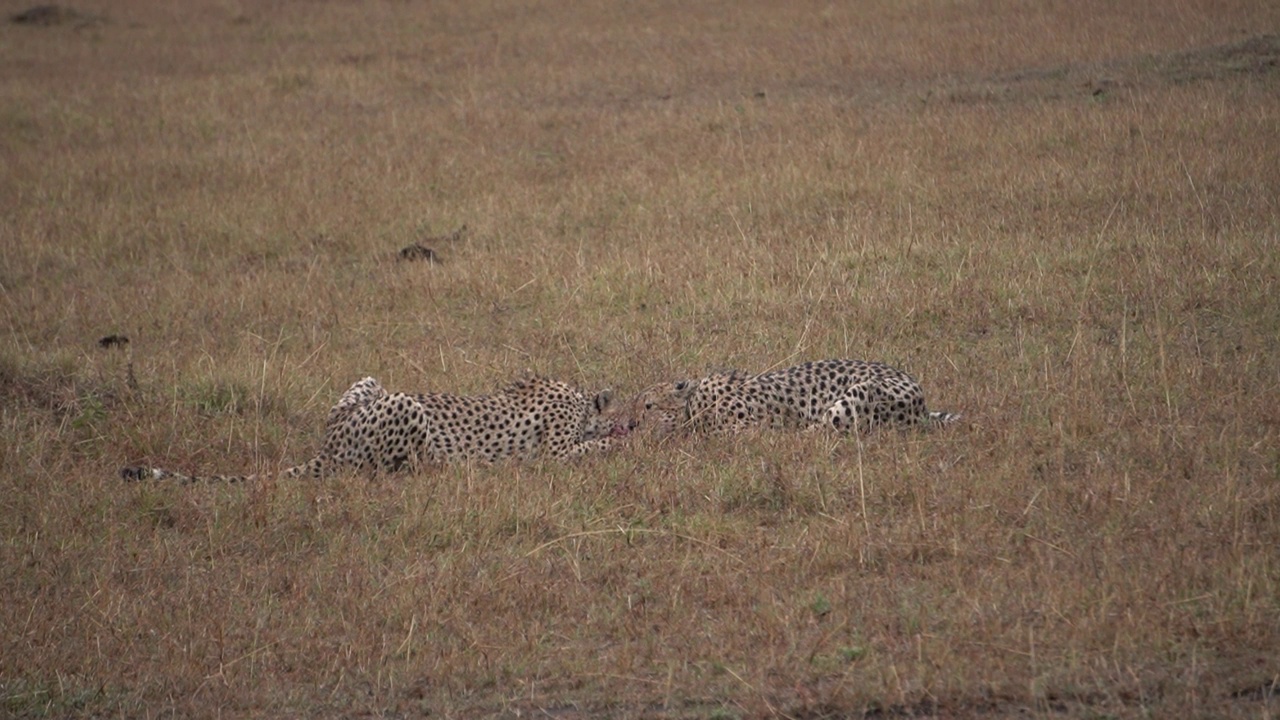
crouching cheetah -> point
(845, 395)
(370, 429)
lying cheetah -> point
(370, 429)
(845, 395)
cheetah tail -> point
(145, 473)
(940, 419)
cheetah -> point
(844, 395)
(372, 430)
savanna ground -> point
(1062, 218)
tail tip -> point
(944, 418)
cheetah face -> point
(663, 408)
(606, 418)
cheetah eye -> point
(648, 405)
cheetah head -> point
(662, 409)
(606, 418)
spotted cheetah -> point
(370, 429)
(845, 395)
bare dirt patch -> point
(54, 15)
(1255, 58)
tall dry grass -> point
(1062, 219)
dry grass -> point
(1061, 217)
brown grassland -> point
(1062, 218)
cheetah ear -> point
(603, 400)
(523, 380)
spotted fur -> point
(372, 430)
(844, 395)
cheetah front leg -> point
(586, 447)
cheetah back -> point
(523, 421)
(369, 429)
(841, 394)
